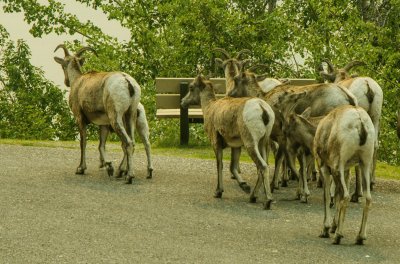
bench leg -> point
(184, 119)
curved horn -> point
(79, 52)
(224, 52)
(352, 64)
(243, 64)
(327, 76)
(331, 68)
(240, 53)
(66, 53)
(258, 66)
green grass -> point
(383, 169)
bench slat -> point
(171, 85)
(175, 113)
(170, 101)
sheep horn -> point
(66, 53)
(79, 52)
(353, 64)
(240, 53)
(257, 66)
(243, 64)
(224, 52)
(331, 68)
(327, 76)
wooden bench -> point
(170, 91)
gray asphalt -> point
(50, 215)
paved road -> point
(50, 215)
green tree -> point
(169, 38)
(31, 107)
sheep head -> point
(230, 64)
(337, 75)
(195, 88)
(71, 63)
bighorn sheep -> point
(321, 98)
(231, 66)
(142, 128)
(367, 91)
(235, 122)
(105, 99)
(345, 137)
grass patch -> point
(383, 169)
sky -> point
(42, 48)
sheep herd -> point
(332, 125)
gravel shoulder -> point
(50, 215)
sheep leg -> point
(305, 193)
(327, 216)
(263, 176)
(235, 152)
(362, 235)
(82, 132)
(128, 144)
(336, 190)
(285, 173)
(332, 194)
(311, 168)
(278, 165)
(218, 155)
(143, 131)
(374, 160)
(291, 164)
(122, 169)
(358, 191)
(235, 155)
(344, 201)
(265, 173)
(102, 145)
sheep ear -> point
(60, 61)
(219, 62)
(81, 61)
(307, 113)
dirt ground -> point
(50, 215)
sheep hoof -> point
(336, 240)
(360, 240)
(304, 198)
(354, 198)
(253, 199)
(80, 170)
(245, 187)
(233, 177)
(110, 169)
(333, 229)
(128, 179)
(149, 173)
(324, 233)
(267, 205)
(218, 194)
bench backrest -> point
(168, 90)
